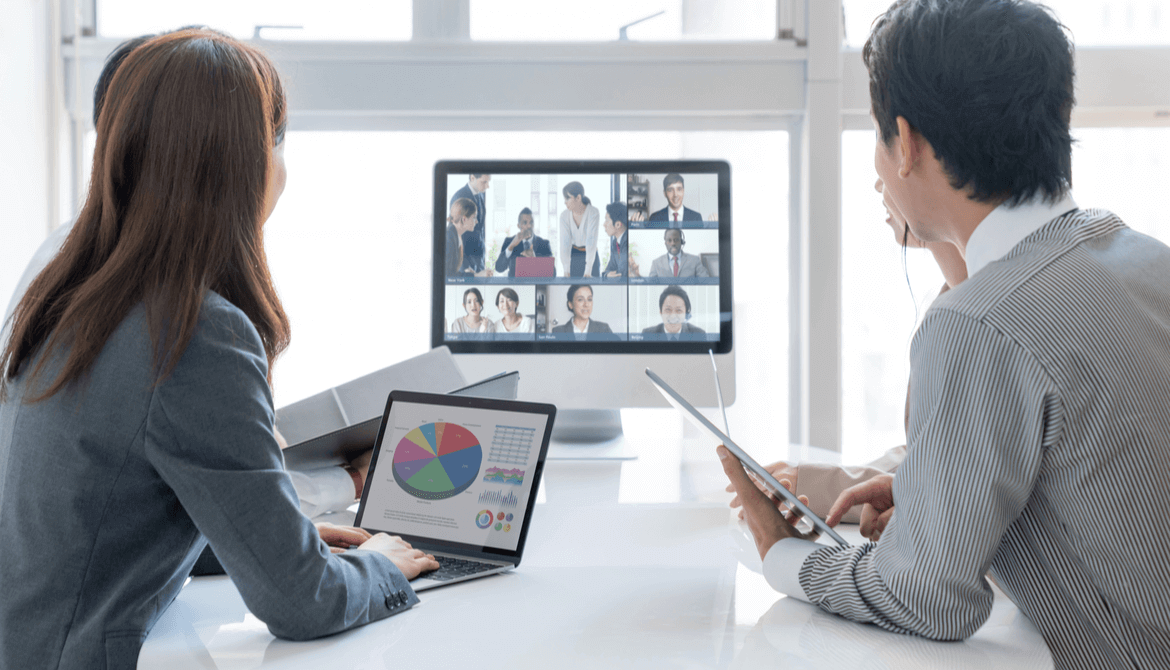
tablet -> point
(749, 463)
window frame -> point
(805, 82)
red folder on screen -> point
(535, 267)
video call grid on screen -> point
(627, 313)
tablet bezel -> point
(749, 463)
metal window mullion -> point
(822, 271)
(441, 20)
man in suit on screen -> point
(674, 212)
(675, 262)
(474, 247)
(523, 244)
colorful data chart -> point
(498, 498)
(502, 476)
(484, 518)
(511, 445)
(437, 461)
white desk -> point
(634, 564)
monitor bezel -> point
(444, 168)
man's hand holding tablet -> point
(762, 512)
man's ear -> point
(910, 144)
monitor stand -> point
(589, 435)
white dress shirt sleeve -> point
(323, 490)
(782, 566)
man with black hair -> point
(1040, 386)
(675, 212)
(617, 227)
(474, 246)
(675, 262)
(674, 306)
(525, 243)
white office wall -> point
(24, 136)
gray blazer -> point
(689, 265)
(110, 489)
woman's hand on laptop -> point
(340, 538)
(767, 523)
(412, 562)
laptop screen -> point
(455, 475)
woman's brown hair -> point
(175, 208)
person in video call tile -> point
(473, 322)
(460, 220)
(675, 262)
(473, 241)
(674, 305)
(619, 251)
(525, 243)
(673, 187)
(581, 305)
(507, 301)
(580, 223)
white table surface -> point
(628, 564)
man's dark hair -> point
(617, 212)
(674, 289)
(113, 61)
(672, 178)
(523, 212)
(477, 176)
(989, 83)
(467, 206)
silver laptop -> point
(457, 477)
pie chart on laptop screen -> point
(437, 461)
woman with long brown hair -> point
(137, 416)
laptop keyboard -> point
(454, 568)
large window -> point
(602, 20)
(291, 19)
(350, 246)
(1091, 22)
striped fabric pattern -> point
(1040, 394)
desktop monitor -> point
(657, 296)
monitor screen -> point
(582, 257)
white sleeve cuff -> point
(323, 489)
(782, 566)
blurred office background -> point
(380, 89)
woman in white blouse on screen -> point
(473, 322)
(507, 301)
(580, 223)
